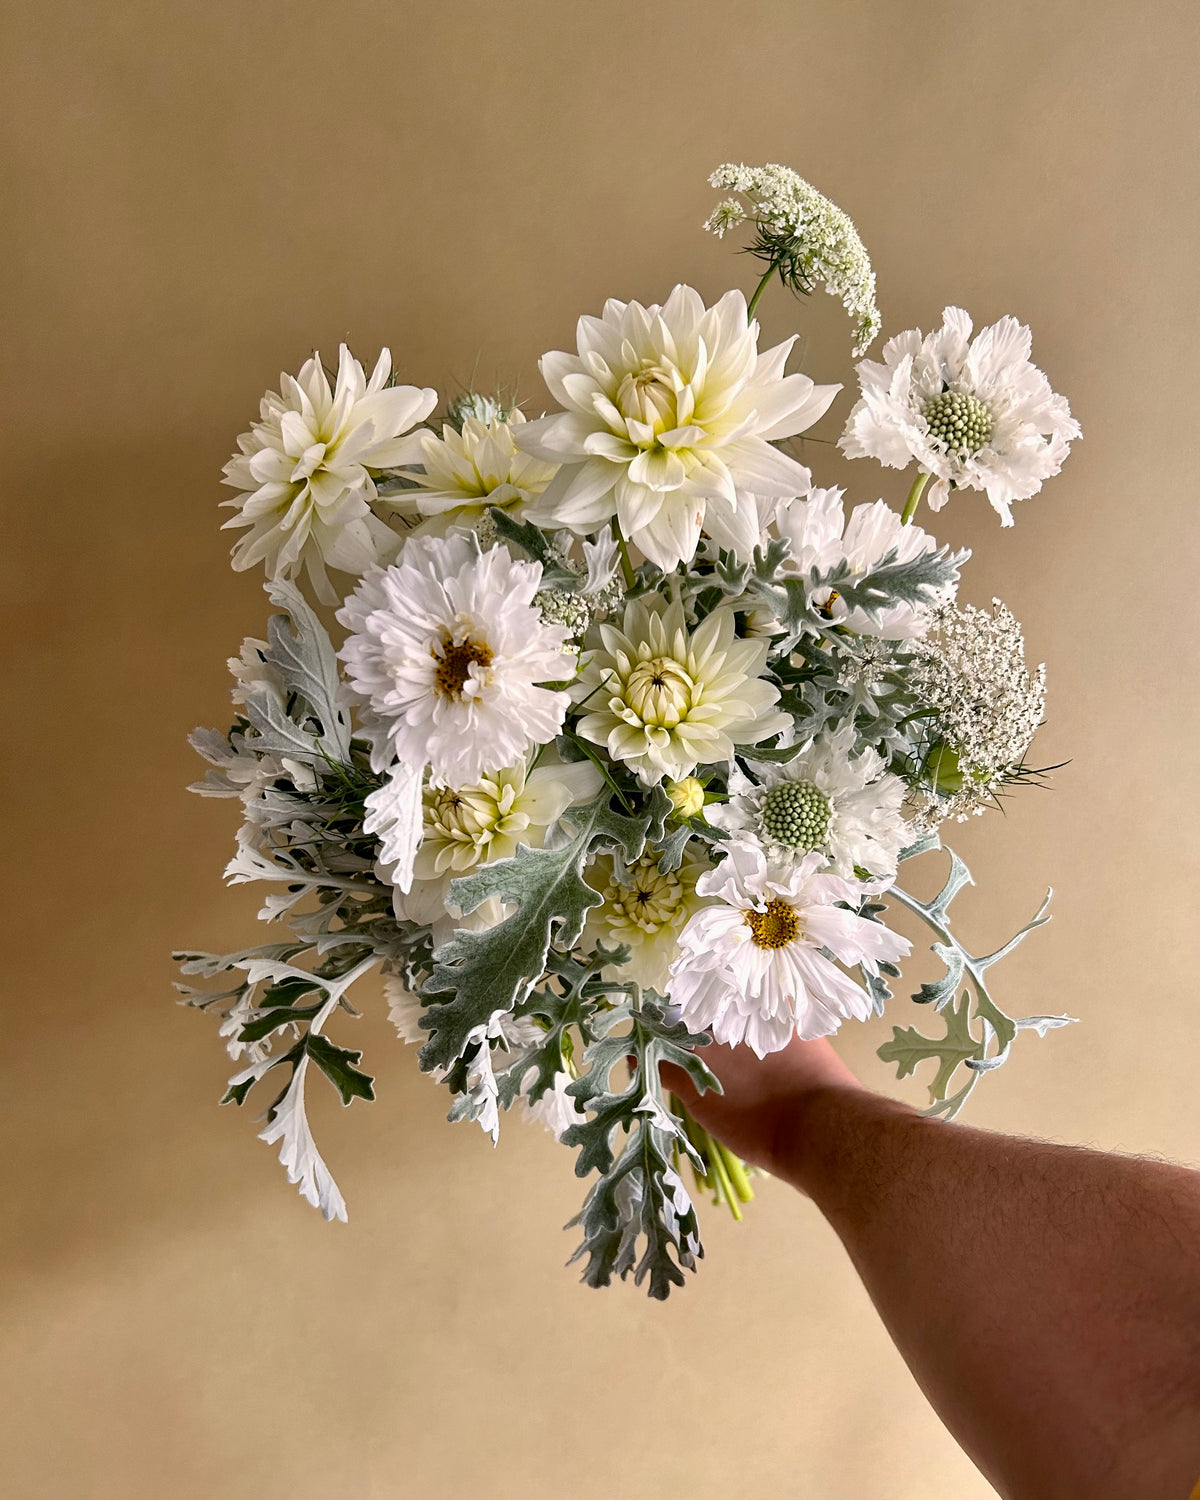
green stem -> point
(759, 290)
(914, 496)
(623, 549)
(736, 1169)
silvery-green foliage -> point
(982, 1050)
(476, 974)
(637, 1218)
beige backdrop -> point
(199, 193)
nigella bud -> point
(484, 409)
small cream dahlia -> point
(671, 413)
(306, 470)
(666, 699)
(467, 471)
(751, 968)
(474, 825)
(974, 413)
(820, 537)
(646, 910)
(827, 800)
(445, 651)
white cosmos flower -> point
(974, 413)
(670, 414)
(666, 699)
(820, 537)
(466, 471)
(305, 470)
(646, 910)
(751, 967)
(826, 799)
(445, 651)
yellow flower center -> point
(454, 663)
(776, 927)
(647, 394)
(660, 691)
(649, 902)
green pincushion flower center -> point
(796, 815)
(960, 421)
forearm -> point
(1046, 1298)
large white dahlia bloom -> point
(825, 799)
(819, 536)
(974, 413)
(305, 470)
(465, 472)
(446, 651)
(665, 699)
(751, 968)
(670, 413)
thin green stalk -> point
(759, 290)
(914, 497)
(623, 549)
(736, 1169)
(717, 1164)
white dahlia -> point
(751, 968)
(306, 470)
(670, 414)
(646, 910)
(474, 825)
(826, 800)
(665, 699)
(445, 652)
(974, 413)
(820, 537)
(464, 472)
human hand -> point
(760, 1110)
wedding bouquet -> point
(628, 727)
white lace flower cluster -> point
(820, 240)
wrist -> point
(815, 1132)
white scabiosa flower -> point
(666, 699)
(974, 413)
(646, 910)
(827, 800)
(466, 471)
(446, 651)
(751, 967)
(819, 536)
(670, 414)
(306, 470)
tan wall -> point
(198, 194)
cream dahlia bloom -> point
(670, 414)
(665, 699)
(467, 471)
(819, 536)
(827, 800)
(646, 910)
(974, 413)
(474, 825)
(306, 470)
(445, 652)
(751, 968)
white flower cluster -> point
(629, 726)
(819, 241)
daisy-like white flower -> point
(646, 910)
(473, 825)
(974, 413)
(446, 650)
(825, 800)
(466, 471)
(665, 699)
(751, 969)
(670, 413)
(306, 470)
(820, 537)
